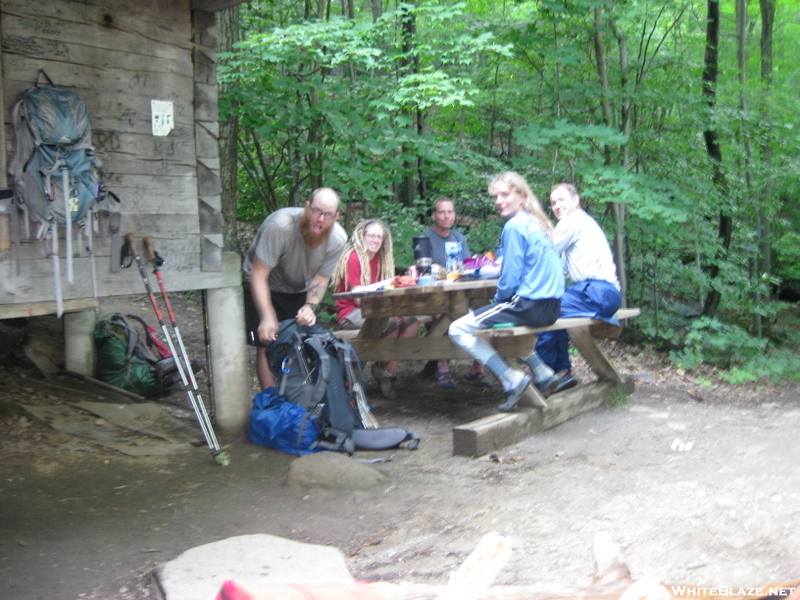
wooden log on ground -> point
(504, 429)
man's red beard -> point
(311, 240)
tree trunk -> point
(744, 137)
(228, 32)
(408, 188)
(765, 237)
(377, 9)
(617, 209)
(711, 137)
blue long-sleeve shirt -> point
(531, 267)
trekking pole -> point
(153, 257)
(199, 410)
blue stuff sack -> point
(277, 423)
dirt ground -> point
(698, 484)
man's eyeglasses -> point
(328, 216)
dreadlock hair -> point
(531, 204)
(358, 244)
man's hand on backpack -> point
(306, 315)
(268, 329)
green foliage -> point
(329, 101)
(485, 236)
(743, 357)
(787, 247)
(433, 100)
(717, 343)
(618, 399)
(778, 364)
(193, 296)
(404, 222)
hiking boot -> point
(385, 380)
(565, 382)
(515, 394)
(547, 386)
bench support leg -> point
(586, 343)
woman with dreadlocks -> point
(368, 257)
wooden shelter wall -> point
(119, 56)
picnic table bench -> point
(450, 301)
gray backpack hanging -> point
(57, 177)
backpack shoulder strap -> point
(321, 384)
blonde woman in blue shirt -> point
(529, 289)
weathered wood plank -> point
(84, 78)
(563, 323)
(183, 273)
(121, 113)
(504, 429)
(431, 348)
(38, 48)
(214, 5)
(210, 219)
(185, 242)
(206, 137)
(437, 301)
(164, 29)
(35, 309)
(143, 194)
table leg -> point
(439, 327)
(372, 328)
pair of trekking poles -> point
(182, 361)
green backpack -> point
(125, 361)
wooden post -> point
(228, 358)
(79, 352)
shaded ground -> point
(698, 484)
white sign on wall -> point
(163, 120)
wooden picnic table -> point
(449, 300)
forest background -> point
(677, 121)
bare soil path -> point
(698, 484)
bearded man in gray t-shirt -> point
(287, 270)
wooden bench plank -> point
(563, 323)
(351, 334)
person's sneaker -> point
(547, 386)
(565, 382)
(385, 381)
(514, 395)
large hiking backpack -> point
(126, 361)
(321, 374)
(57, 178)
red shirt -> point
(353, 279)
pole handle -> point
(131, 244)
(148, 248)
